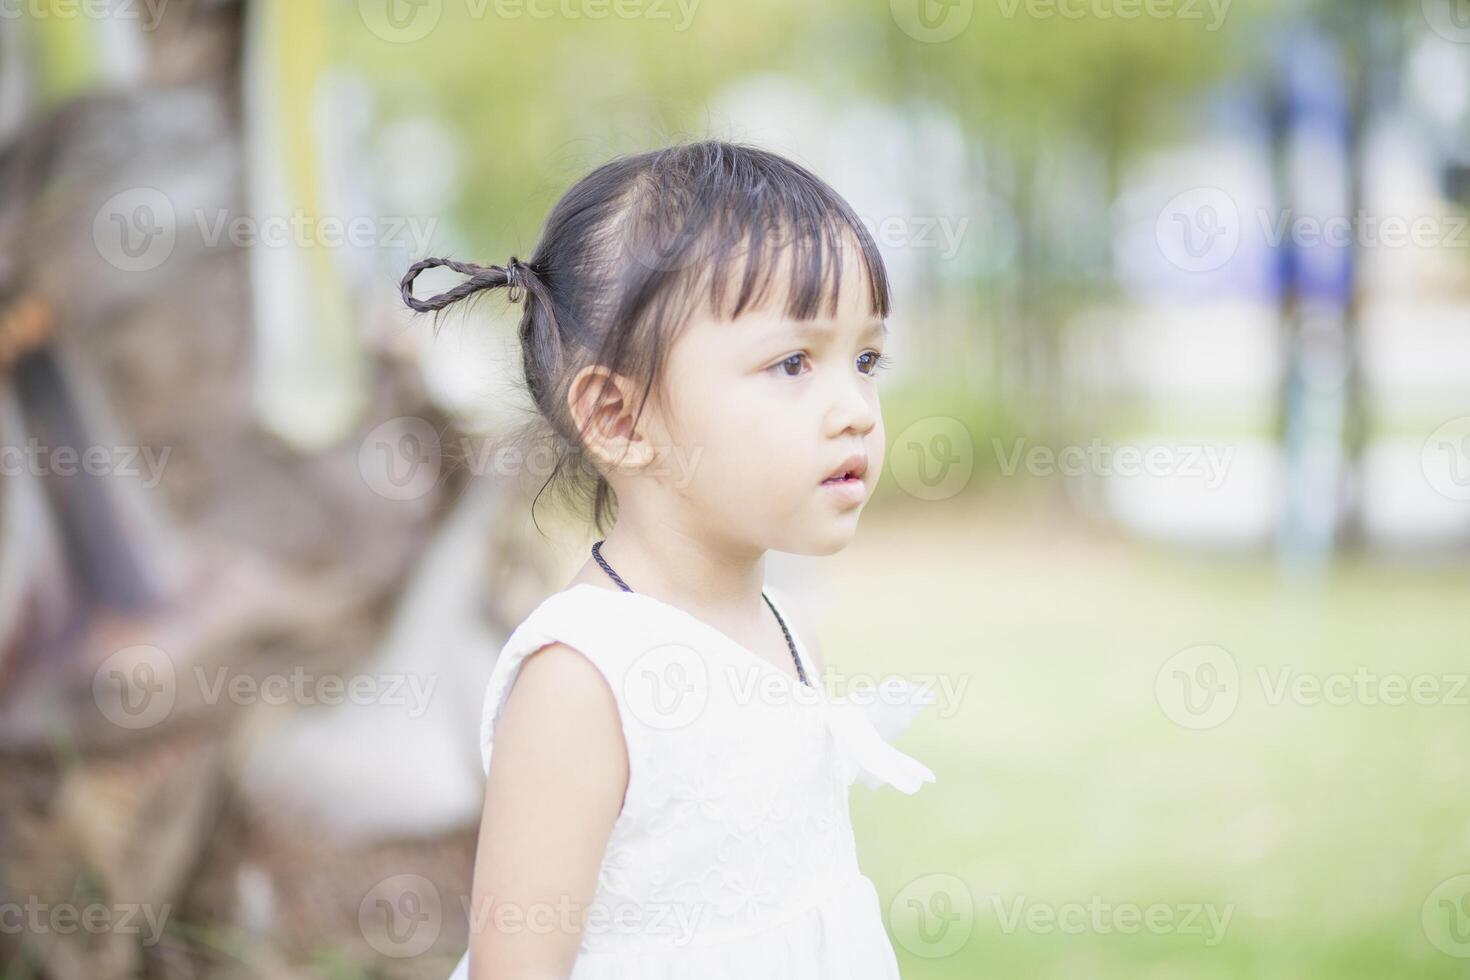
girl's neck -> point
(680, 569)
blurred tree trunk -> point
(246, 554)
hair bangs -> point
(798, 266)
(722, 232)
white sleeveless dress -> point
(733, 856)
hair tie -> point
(515, 279)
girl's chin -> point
(829, 538)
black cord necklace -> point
(790, 643)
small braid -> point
(481, 277)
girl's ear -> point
(603, 405)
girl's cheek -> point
(877, 448)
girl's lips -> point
(849, 490)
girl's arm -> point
(557, 777)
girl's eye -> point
(793, 361)
(869, 363)
(875, 362)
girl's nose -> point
(852, 408)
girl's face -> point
(761, 410)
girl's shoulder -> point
(602, 625)
(659, 662)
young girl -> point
(668, 794)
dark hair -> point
(640, 245)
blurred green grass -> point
(1322, 829)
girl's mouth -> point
(846, 489)
(845, 482)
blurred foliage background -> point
(1175, 512)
